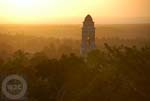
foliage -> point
(118, 73)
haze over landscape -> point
(75, 50)
(73, 11)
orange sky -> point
(73, 11)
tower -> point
(88, 36)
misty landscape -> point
(49, 58)
(74, 50)
(67, 38)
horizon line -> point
(71, 23)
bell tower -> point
(88, 35)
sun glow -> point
(23, 11)
(71, 11)
(21, 7)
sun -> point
(31, 7)
(23, 10)
(22, 2)
(23, 6)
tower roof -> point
(88, 18)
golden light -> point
(19, 7)
(21, 3)
(71, 11)
(23, 11)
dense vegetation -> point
(55, 71)
(115, 73)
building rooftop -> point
(88, 18)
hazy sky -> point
(73, 11)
